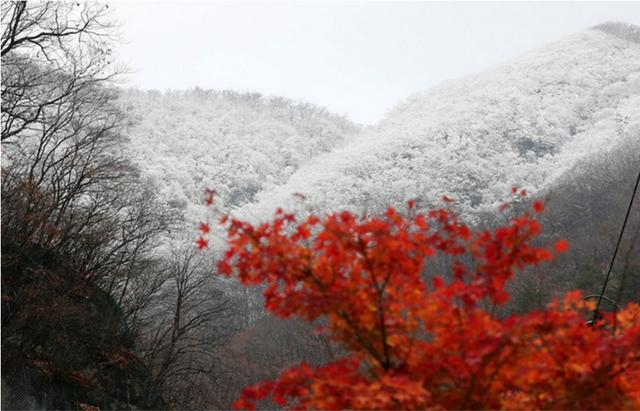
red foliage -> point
(204, 228)
(538, 207)
(209, 195)
(201, 243)
(418, 344)
(561, 246)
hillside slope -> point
(65, 341)
(520, 124)
(237, 143)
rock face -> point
(64, 342)
(523, 123)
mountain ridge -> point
(620, 29)
(522, 123)
(237, 143)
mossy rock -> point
(64, 340)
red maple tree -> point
(417, 344)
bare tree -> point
(51, 51)
(69, 188)
(182, 347)
(67, 181)
(61, 125)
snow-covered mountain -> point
(238, 144)
(523, 123)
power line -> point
(615, 251)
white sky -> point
(355, 58)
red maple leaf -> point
(204, 228)
(561, 246)
(202, 243)
(538, 206)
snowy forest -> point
(147, 262)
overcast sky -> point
(355, 58)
